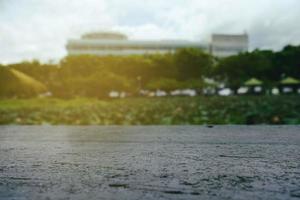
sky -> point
(39, 29)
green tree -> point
(193, 63)
(165, 84)
(287, 62)
(235, 70)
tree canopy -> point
(96, 76)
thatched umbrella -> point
(252, 84)
(290, 82)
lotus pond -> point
(152, 111)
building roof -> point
(104, 36)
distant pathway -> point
(149, 162)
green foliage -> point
(168, 84)
(164, 66)
(96, 76)
(95, 85)
(45, 73)
(192, 63)
(267, 66)
(197, 84)
(14, 83)
(287, 61)
(146, 111)
(165, 84)
(235, 70)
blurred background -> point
(131, 62)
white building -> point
(111, 43)
(227, 45)
(108, 43)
